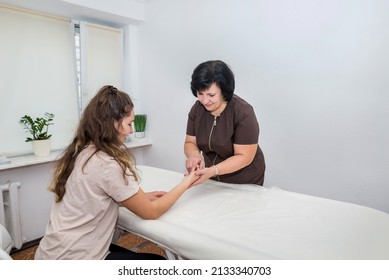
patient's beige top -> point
(81, 226)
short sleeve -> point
(190, 127)
(115, 185)
(246, 126)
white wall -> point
(315, 71)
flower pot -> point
(41, 148)
(140, 134)
(140, 125)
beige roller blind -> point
(102, 47)
(37, 75)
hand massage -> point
(218, 209)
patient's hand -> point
(192, 178)
(154, 195)
(203, 175)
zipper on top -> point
(210, 134)
(209, 143)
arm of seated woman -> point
(141, 204)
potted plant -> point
(39, 130)
(140, 125)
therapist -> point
(222, 130)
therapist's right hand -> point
(194, 163)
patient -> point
(94, 174)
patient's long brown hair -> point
(97, 127)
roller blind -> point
(37, 75)
(102, 47)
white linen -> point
(226, 221)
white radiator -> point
(9, 211)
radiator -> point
(10, 211)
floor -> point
(127, 240)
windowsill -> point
(31, 159)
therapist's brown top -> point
(215, 137)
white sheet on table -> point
(226, 221)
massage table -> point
(217, 220)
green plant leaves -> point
(140, 122)
(38, 128)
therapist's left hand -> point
(154, 195)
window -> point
(100, 59)
(77, 52)
(50, 64)
(37, 75)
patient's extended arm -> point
(141, 204)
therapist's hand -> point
(154, 195)
(204, 174)
(193, 163)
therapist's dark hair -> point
(213, 71)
